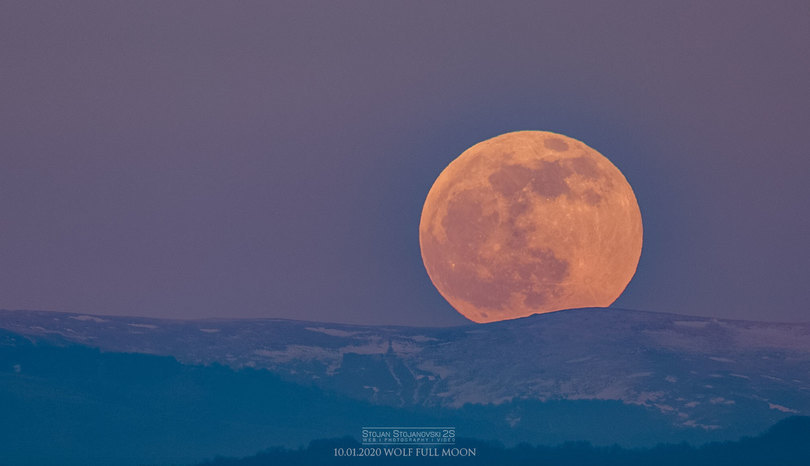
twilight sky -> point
(271, 159)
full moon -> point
(530, 222)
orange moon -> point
(530, 222)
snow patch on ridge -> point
(781, 408)
(149, 326)
(718, 359)
(332, 331)
(84, 318)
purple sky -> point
(270, 159)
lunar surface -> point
(530, 222)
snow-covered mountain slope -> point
(702, 372)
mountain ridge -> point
(704, 373)
(285, 319)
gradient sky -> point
(270, 159)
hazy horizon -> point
(363, 324)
